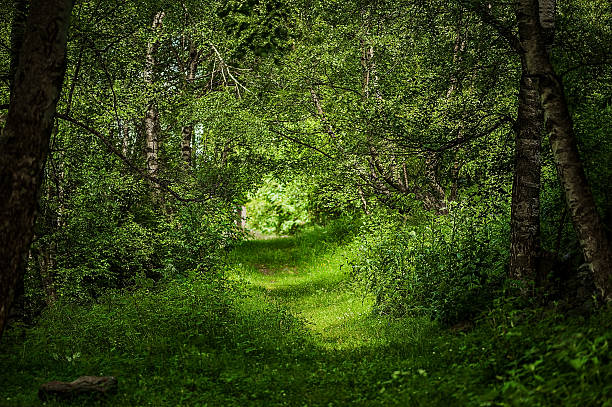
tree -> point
(525, 215)
(525, 242)
(24, 141)
(580, 202)
(152, 126)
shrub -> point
(448, 268)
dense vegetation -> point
(289, 202)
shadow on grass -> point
(295, 291)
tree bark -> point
(525, 208)
(18, 26)
(24, 142)
(585, 218)
(187, 131)
(95, 385)
(124, 135)
(187, 137)
(152, 126)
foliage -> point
(447, 267)
(110, 236)
(279, 208)
(195, 341)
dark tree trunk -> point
(525, 250)
(18, 26)
(525, 216)
(585, 218)
(24, 142)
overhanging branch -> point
(142, 173)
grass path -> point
(360, 358)
(290, 329)
(312, 284)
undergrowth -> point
(449, 268)
(288, 327)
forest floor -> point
(287, 327)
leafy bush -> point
(110, 237)
(536, 356)
(448, 268)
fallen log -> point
(94, 385)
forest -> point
(305, 203)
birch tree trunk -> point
(186, 150)
(152, 126)
(187, 130)
(585, 218)
(24, 142)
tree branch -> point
(143, 174)
(293, 139)
(483, 11)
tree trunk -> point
(187, 130)
(24, 142)
(187, 137)
(47, 265)
(525, 215)
(18, 26)
(152, 126)
(435, 196)
(124, 137)
(585, 218)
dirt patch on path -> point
(265, 270)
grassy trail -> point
(313, 286)
(353, 356)
(286, 327)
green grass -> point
(311, 279)
(288, 328)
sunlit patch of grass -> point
(311, 280)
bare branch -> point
(227, 69)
